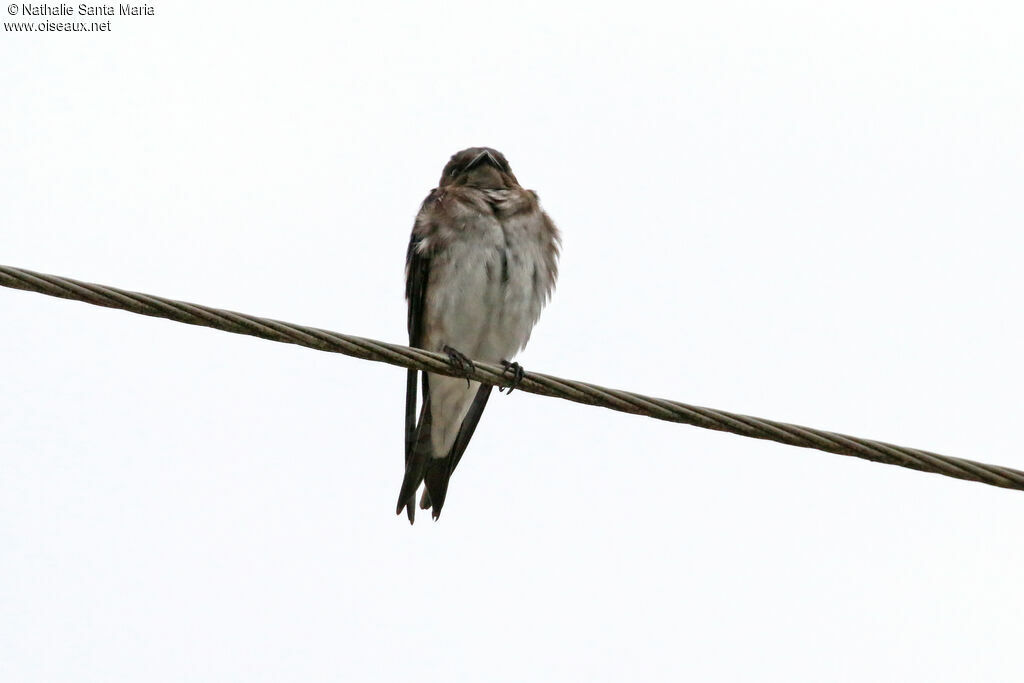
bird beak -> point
(480, 158)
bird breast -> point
(487, 287)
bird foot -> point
(517, 375)
(460, 362)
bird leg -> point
(517, 374)
(460, 362)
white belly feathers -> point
(485, 294)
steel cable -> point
(532, 382)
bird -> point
(481, 264)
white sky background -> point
(799, 211)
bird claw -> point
(460, 362)
(517, 375)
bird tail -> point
(439, 470)
(416, 464)
(423, 467)
(407, 495)
(436, 476)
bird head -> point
(480, 167)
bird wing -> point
(417, 269)
(417, 273)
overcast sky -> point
(809, 212)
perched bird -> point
(481, 264)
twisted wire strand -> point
(532, 382)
